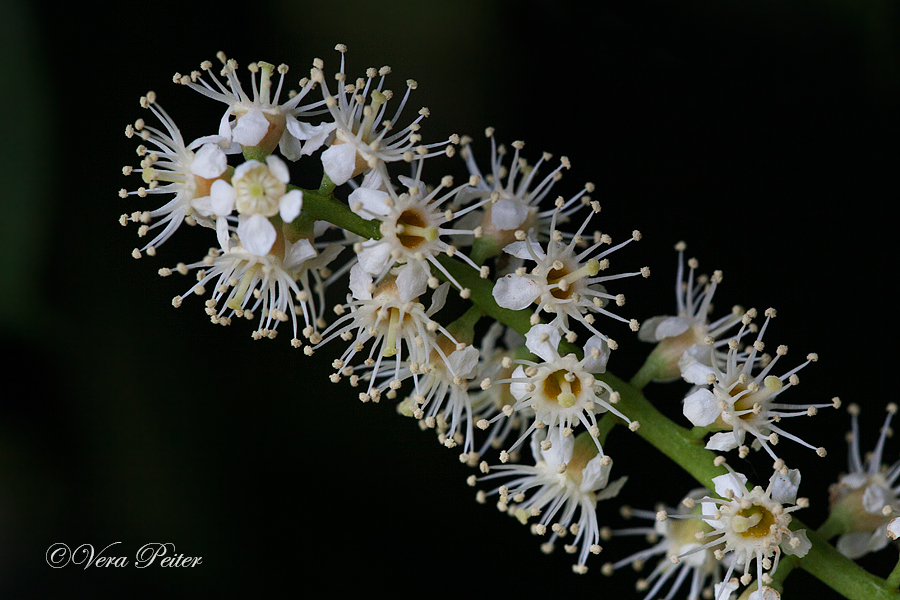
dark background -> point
(763, 133)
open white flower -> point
(271, 285)
(566, 280)
(561, 391)
(739, 402)
(690, 325)
(412, 226)
(363, 138)
(168, 166)
(499, 346)
(259, 191)
(672, 537)
(569, 478)
(868, 495)
(441, 392)
(749, 524)
(391, 319)
(261, 121)
(516, 191)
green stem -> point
(326, 208)
(893, 580)
(645, 375)
(326, 188)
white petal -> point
(596, 365)
(736, 482)
(278, 168)
(315, 135)
(520, 250)
(519, 389)
(724, 590)
(412, 281)
(243, 168)
(722, 442)
(256, 233)
(375, 257)
(708, 510)
(463, 362)
(695, 364)
(801, 550)
(339, 162)
(225, 126)
(203, 206)
(290, 148)
(209, 161)
(507, 215)
(854, 480)
(221, 196)
(854, 545)
(874, 499)
(251, 128)
(647, 332)
(223, 235)
(561, 448)
(290, 205)
(701, 408)
(360, 282)
(367, 202)
(438, 298)
(766, 593)
(671, 327)
(893, 528)
(595, 475)
(543, 340)
(784, 487)
(515, 292)
(612, 490)
(298, 253)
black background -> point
(762, 133)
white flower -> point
(259, 191)
(674, 334)
(441, 395)
(867, 496)
(260, 121)
(672, 537)
(391, 321)
(565, 280)
(516, 192)
(363, 138)
(568, 478)
(412, 225)
(750, 525)
(168, 166)
(561, 391)
(739, 402)
(245, 284)
(489, 399)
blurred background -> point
(762, 133)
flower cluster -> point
(486, 307)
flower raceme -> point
(506, 375)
